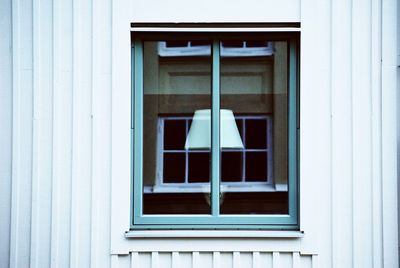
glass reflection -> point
(254, 86)
(177, 83)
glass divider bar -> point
(215, 130)
(138, 130)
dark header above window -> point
(217, 25)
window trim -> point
(216, 221)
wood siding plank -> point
(342, 153)
(316, 127)
(376, 103)
(101, 133)
(236, 259)
(42, 134)
(276, 260)
(81, 134)
(21, 189)
(362, 149)
(6, 101)
(216, 259)
(389, 142)
(62, 134)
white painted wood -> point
(62, 133)
(213, 234)
(361, 131)
(6, 101)
(376, 103)
(276, 260)
(315, 261)
(226, 260)
(42, 134)
(389, 165)
(81, 135)
(144, 260)
(134, 259)
(196, 259)
(22, 135)
(214, 244)
(101, 133)
(296, 260)
(120, 125)
(180, 11)
(236, 260)
(154, 260)
(175, 259)
(256, 259)
(315, 127)
(342, 153)
(216, 259)
(115, 261)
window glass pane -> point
(256, 134)
(199, 167)
(176, 164)
(174, 134)
(254, 176)
(174, 167)
(231, 166)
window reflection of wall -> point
(249, 85)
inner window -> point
(182, 169)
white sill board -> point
(212, 234)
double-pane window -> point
(214, 130)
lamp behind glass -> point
(199, 136)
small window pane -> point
(256, 134)
(199, 167)
(174, 167)
(231, 166)
(174, 134)
(256, 166)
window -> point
(214, 130)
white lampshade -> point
(199, 136)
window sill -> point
(212, 234)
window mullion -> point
(215, 130)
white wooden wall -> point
(59, 82)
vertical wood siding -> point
(6, 94)
(215, 260)
(57, 91)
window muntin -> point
(286, 220)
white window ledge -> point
(212, 234)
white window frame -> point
(193, 187)
(190, 50)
